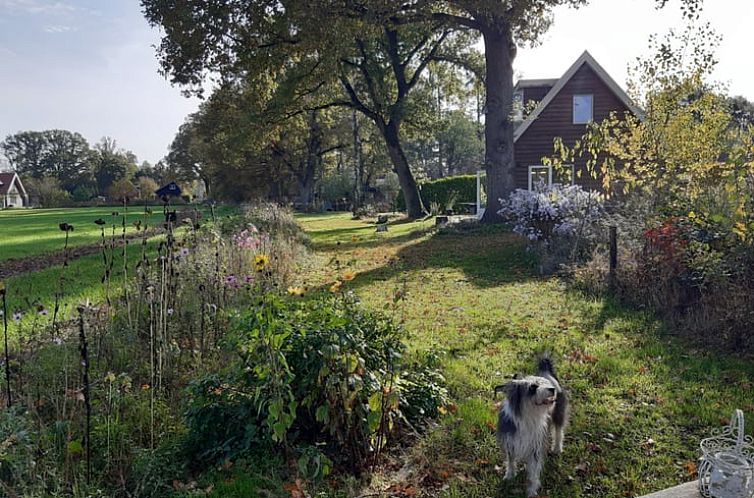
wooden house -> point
(562, 108)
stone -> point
(688, 490)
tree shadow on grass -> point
(487, 258)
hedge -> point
(441, 190)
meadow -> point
(31, 236)
(29, 232)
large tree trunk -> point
(498, 127)
(390, 131)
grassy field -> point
(642, 399)
(27, 232)
(82, 280)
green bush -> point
(320, 371)
(221, 422)
(445, 192)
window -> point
(540, 175)
(582, 108)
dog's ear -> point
(500, 388)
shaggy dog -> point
(535, 411)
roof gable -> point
(586, 58)
(9, 179)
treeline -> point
(60, 167)
(244, 146)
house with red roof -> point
(12, 191)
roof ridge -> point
(584, 58)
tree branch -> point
(423, 63)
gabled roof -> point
(7, 179)
(586, 58)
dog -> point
(534, 413)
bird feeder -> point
(726, 468)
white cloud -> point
(58, 29)
(37, 7)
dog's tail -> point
(545, 364)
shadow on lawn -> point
(487, 257)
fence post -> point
(613, 256)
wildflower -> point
(171, 311)
(17, 315)
(41, 310)
(348, 275)
(99, 221)
(145, 387)
(335, 287)
(296, 291)
(261, 261)
(110, 377)
(65, 227)
(185, 251)
(58, 341)
(248, 279)
(230, 280)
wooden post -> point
(613, 256)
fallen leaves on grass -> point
(296, 489)
(579, 356)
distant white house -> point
(12, 191)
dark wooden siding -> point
(556, 120)
(535, 93)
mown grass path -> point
(641, 398)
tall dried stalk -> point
(84, 352)
(65, 227)
(124, 254)
(5, 338)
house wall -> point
(13, 198)
(556, 120)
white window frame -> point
(591, 107)
(540, 166)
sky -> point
(89, 65)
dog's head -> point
(529, 393)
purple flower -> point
(17, 315)
(249, 279)
(41, 310)
(230, 280)
(184, 251)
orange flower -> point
(296, 291)
(336, 286)
(348, 275)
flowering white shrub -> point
(550, 211)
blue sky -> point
(86, 66)
(89, 65)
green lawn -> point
(641, 399)
(26, 232)
(83, 277)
